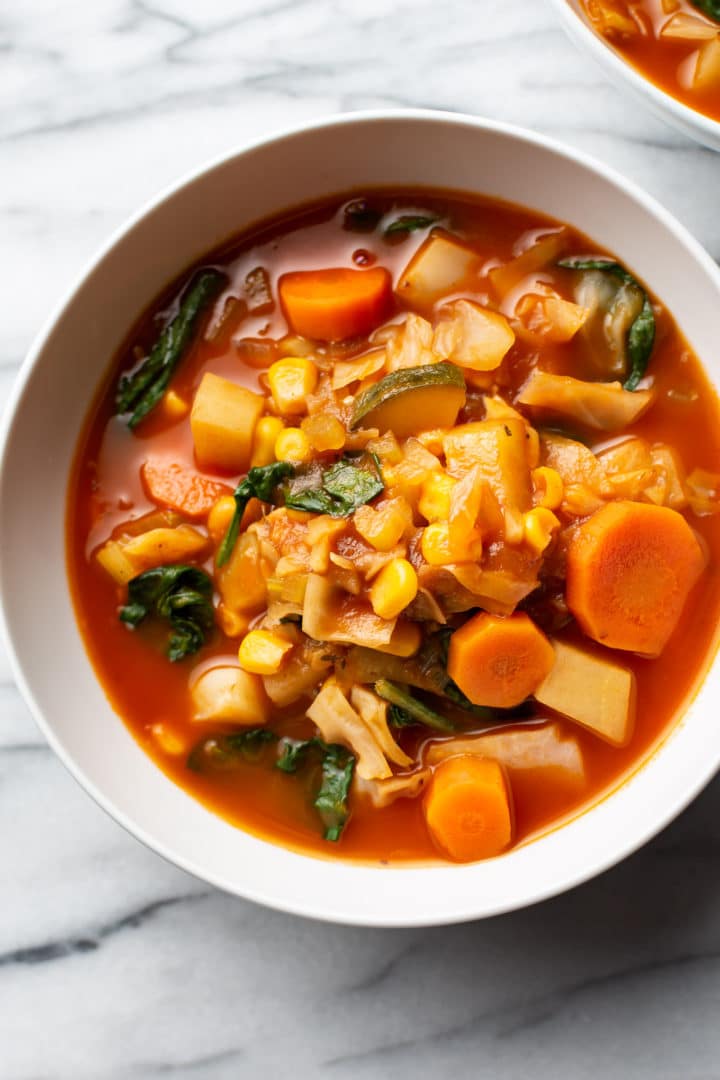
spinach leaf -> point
(182, 595)
(140, 391)
(641, 335)
(260, 483)
(337, 765)
(360, 216)
(408, 710)
(711, 8)
(408, 223)
(343, 487)
(220, 752)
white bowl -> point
(690, 122)
(49, 405)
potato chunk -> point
(440, 264)
(231, 695)
(222, 421)
(591, 690)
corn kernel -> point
(383, 528)
(538, 527)
(434, 503)
(435, 544)
(292, 444)
(261, 652)
(267, 430)
(393, 589)
(291, 381)
(174, 406)
(324, 432)
(548, 487)
(220, 516)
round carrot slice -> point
(499, 661)
(335, 304)
(468, 809)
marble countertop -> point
(113, 964)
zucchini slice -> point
(412, 400)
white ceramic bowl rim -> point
(671, 109)
(344, 892)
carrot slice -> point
(499, 661)
(335, 304)
(181, 488)
(468, 810)
(630, 568)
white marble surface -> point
(114, 964)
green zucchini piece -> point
(412, 400)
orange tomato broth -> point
(669, 63)
(105, 490)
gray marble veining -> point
(113, 964)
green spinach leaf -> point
(343, 487)
(641, 334)
(221, 752)
(408, 223)
(140, 391)
(180, 594)
(407, 710)
(260, 483)
(337, 766)
(711, 8)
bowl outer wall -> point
(48, 408)
(690, 122)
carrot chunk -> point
(468, 809)
(499, 661)
(630, 568)
(335, 304)
(181, 488)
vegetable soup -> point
(674, 43)
(393, 533)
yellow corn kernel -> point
(232, 623)
(291, 381)
(265, 436)
(393, 589)
(538, 527)
(220, 516)
(261, 652)
(325, 432)
(548, 487)
(383, 528)
(435, 544)
(292, 444)
(434, 503)
(174, 406)
(169, 741)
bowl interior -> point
(51, 400)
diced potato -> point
(473, 337)
(338, 722)
(626, 456)
(605, 406)
(707, 69)
(593, 691)
(160, 547)
(540, 746)
(113, 559)
(231, 695)
(500, 449)
(437, 267)
(222, 422)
